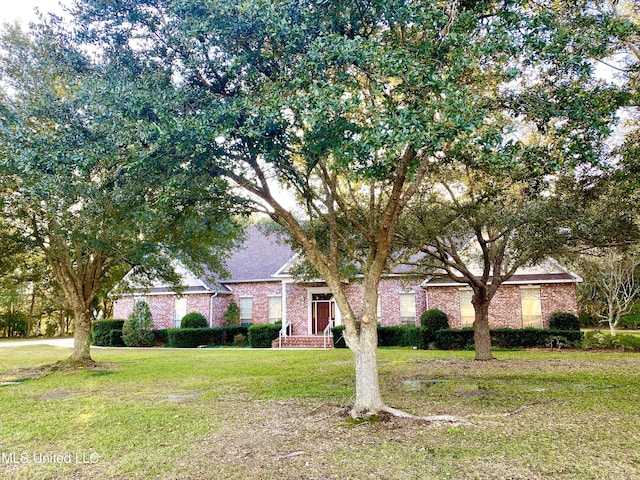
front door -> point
(322, 312)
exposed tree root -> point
(433, 419)
(447, 419)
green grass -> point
(220, 413)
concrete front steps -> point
(302, 341)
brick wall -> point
(259, 293)
(446, 299)
(505, 310)
(559, 297)
(122, 307)
(297, 309)
(163, 307)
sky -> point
(23, 10)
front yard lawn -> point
(218, 413)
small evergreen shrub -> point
(189, 337)
(193, 320)
(100, 332)
(434, 319)
(261, 335)
(229, 333)
(564, 321)
(137, 331)
(232, 315)
(240, 340)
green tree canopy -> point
(350, 106)
(90, 175)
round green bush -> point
(193, 320)
(434, 320)
(564, 321)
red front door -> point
(321, 317)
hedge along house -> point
(260, 282)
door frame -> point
(310, 292)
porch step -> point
(302, 341)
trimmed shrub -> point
(229, 333)
(434, 319)
(194, 320)
(217, 335)
(338, 338)
(189, 337)
(392, 336)
(564, 321)
(160, 337)
(448, 339)
(261, 335)
(396, 336)
(100, 333)
(115, 338)
(508, 338)
(240, 340)
(137, 331)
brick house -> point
(261, 285)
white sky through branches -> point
(24, 10)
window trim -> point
(408, 321)
(243, 321)
(537, 323)
(177, 321)
(271, 319)
(468, 314)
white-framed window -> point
(246, 310)
(275, 308)
(179, 310)
(467, 312)
(379, 309)
(531, 307)
(408, 309)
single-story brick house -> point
(261, 285)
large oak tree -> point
(348, 105)
(88, 177)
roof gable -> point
(259, 257)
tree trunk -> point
(365, 353)
(62, 324)
(612, 324)
(362, 339)
(481, 335)
(81, 337)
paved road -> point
(56, 342)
